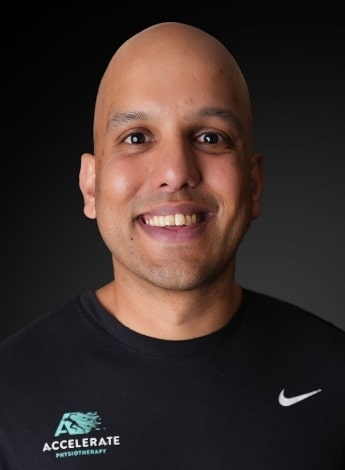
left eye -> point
(135, 138)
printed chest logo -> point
(78, 423)
(292, 400)
(90, 441)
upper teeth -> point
(173, 219)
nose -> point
(176, 167)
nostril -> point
(178, 187)
(175, 185)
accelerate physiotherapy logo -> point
(87, 427)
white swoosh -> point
(288, 401)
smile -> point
(171, 220)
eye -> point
(218, 142)
(210, 138)
(136, 138)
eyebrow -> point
(225, 114)
(119, 119)
(122, 118)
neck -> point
(173, 315)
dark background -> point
(51, 66)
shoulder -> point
(44, 333)
(291, 322)
(266, 306)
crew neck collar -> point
(144, 344)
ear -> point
(87, 179)
(257, 184)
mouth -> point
(176, 223)
(173, 220)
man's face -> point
(174, 188)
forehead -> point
(169, 85)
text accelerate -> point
(83, 443)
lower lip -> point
(174, 234)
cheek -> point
(231, 184)
(227, 180)
(119, 181)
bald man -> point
(172, 364)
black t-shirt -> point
(79, 390)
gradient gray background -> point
(296, 74)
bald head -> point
(172, 137)
(169, 54)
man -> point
(172, 364)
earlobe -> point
(257, 184)
(87, 181)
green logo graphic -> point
(77, 422)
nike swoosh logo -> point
(288, 401)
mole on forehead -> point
(122, 118)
